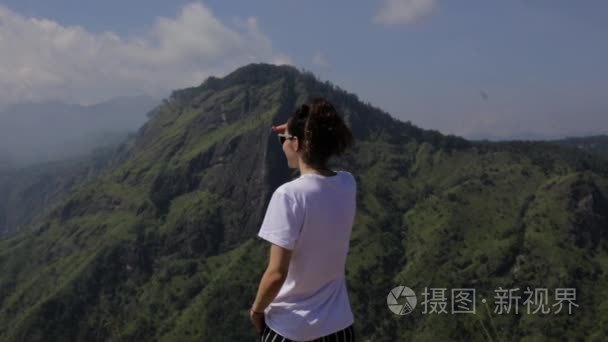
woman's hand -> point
(279, 128)
(257, 318)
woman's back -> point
(313, 216)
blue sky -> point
(499, 68)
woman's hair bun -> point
(322, 131)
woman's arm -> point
(273, 278)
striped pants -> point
(344, 335)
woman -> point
(302, 295)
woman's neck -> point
(325, 171)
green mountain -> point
(162, 246)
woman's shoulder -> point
(348, 175)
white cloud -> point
(320, 60)
(42, 59)
(395, 12)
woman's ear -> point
(296, 144)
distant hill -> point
(529, 136)
(49, 131)
(162, 245)
(28, 191)
(6, 161)
(526, 136)
(597, 144)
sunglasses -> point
(285, 136)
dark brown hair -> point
(321, 130)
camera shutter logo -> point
(401, 300)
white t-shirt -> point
(313, 216)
